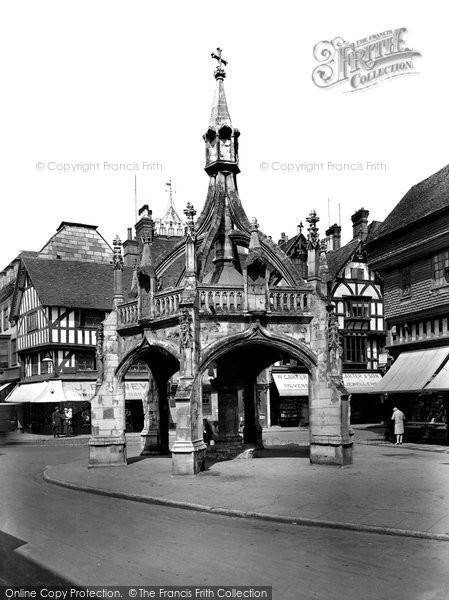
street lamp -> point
(49, 360)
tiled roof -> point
(336, 259)
(75, 284)
(423, 199)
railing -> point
(212, 300)
(166, 304)
(285, 301)
(127, 314)
(224, 300)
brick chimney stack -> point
(334, 236)
(130, 250)
(360, 224)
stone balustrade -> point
(286, 300)
(225, 300)
(166, 304)
(127, 314)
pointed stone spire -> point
(220, 114)
(221, 138)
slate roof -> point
(422, 200)
(75, 284)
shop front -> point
(365, 407)
(38, 401)
(418, 384)
(290, 399)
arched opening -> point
(239, 374)
(147, 372)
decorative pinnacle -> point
(254, 224)
(118, 258)
(219, 72)
(190, 212)
(312, 219)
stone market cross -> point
(234, 305)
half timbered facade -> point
(356, 292)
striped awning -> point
(412, 371)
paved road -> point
(51, 535)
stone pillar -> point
(253, 431)
(154, 435)
(189, 449)
(107, 445)
(330, 439)
(228, 416)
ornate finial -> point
(118, 258)
(300, 228)
(170, 190)
(254, 224)
(190, 212)
(219, 72)
(312, 219)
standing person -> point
(56, 419)
(207, 432)
(398, 418)
(68, 413)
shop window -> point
(405, 281)
(85, 361)
(440, 268)
(32, 321)
(355, 349)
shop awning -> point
(360, 383)
(5, 385)
(27, 392)
(292, 384)
(412, 371)
(56, 390)
(440, 383)
(79, 391)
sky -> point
(97, 84)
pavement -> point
(393, 490)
